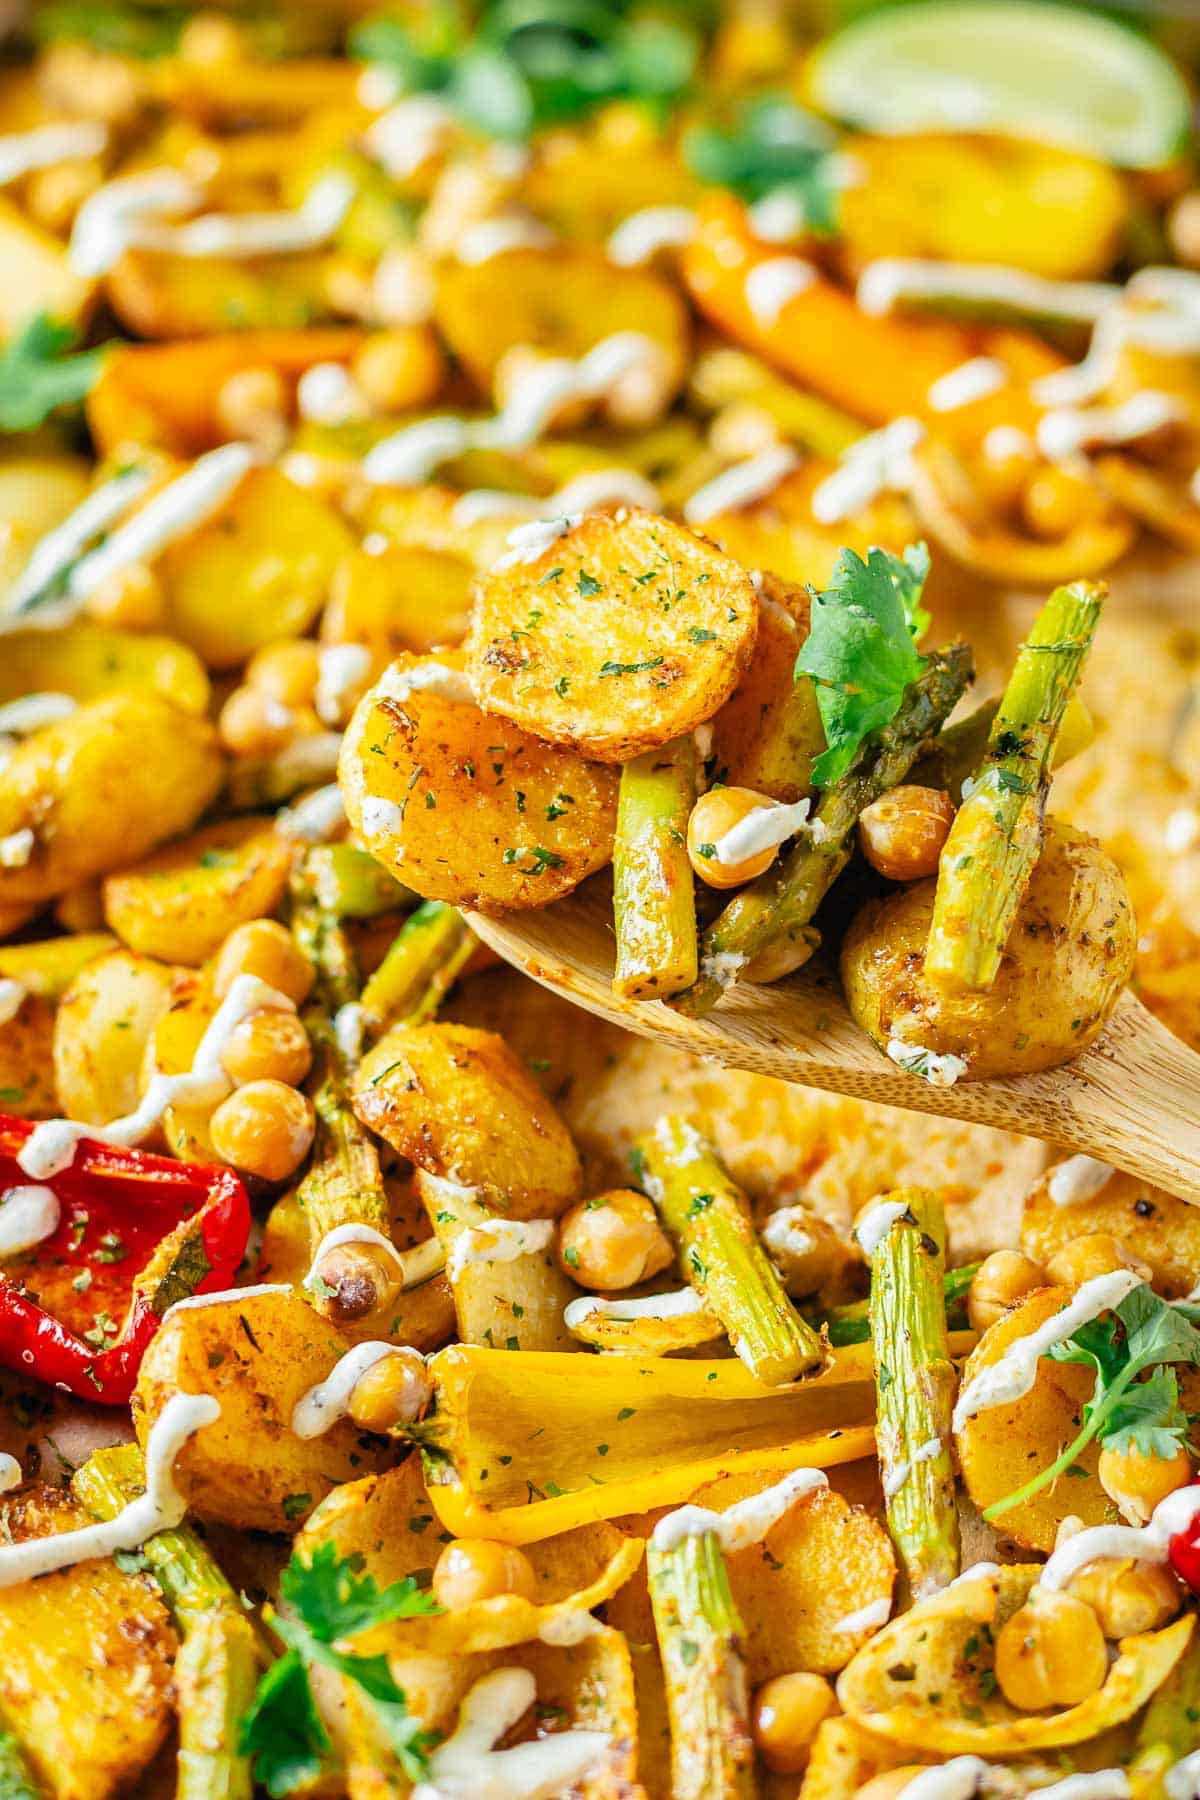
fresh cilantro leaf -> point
(860, 652)
(329, 1602)
(773, 148)
(1148, 1418)
(36, 378)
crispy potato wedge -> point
(1163, 1231)
(85, 1663)
(456, 1101)
(624, 633)
(260, 570)
(1003, 1447)
(48, 966)
(257, 1356)
(564, 300)
(768, 733)
(465, 808)
(405, 598)
(162, 296)
(105, 785)
(27, 1087)
(927, 1679)
(182, 902)
(104, 1023)
(89, 661)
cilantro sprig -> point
(532, 63)
(327, 1602)
(37, 378)
(860, 652)
(1143, 1336)
(773, 148)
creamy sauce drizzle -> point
(879, 463)
(327, 394)
(53, 553)
(971, 381)
(343, 670)
(427, 678)
(109, 221)
(17, 847)
(643, 234)
(499, 1241)
(21, 152)
(680, 1303)
(11, 1474)
(1078, 1180)
(763, 828)
(1182, 1779)
(226, 1297)
(321, 1406)
(744, 1524)
(316, 818)
(887, 283)
(1066, 431)
(1145, 1543)
(867, 1618)
(160, 1508)
(1013, 1376)
(956, 1780)
(940, 1068)
(496, 237)
(32, 711)
(284, 233)
(566, 1629)
(407, 136)
(466, 1767)
(28, 1215)
(771, 284)
(873, 1225)
(741, 485)
(416, 1266)
(13, 995)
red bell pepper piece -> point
(1184, 1551)
(137, 1233)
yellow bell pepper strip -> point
(720, 1254)
(518, 1448)
(423, 962)
(654, 896)
(1168, 1731)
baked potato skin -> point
(1069, 955)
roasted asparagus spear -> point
(653, 889)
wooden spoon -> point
(1132, 1099)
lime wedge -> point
(1014, 67)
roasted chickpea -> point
(785, 1716)
(804, 1247)
(1128, 1597)
(1137, 1482)
(131, 596)
(613, 1240)
(471, 1569)
(1095, 1253)
(713, 816)
(264, 1129)
(902, 832)
(393, 1391)
(399, 369)
(1056, 502)
(1184, 228)
(1001, 1279)
(265, 948)
(742, 429)
(268, 1045)
(286, 671)
(1050, 1653)
(252, 404)
(254, 724)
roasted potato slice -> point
(85, 1662)
(1003, 1447)
(89, 661)
(928, 1680)
(615, 638)
(182, 902)
(108, 783)
(27, 1061)
(457, 1102)
(465, 808)
(404, 598)
(257, 1356)
(158, 295)
(260, 570)
(104, 1022)
(1068, 956)
(768, 733)
(1163, 1231)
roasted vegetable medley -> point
(460, 459)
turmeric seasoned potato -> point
(1154, 1226)
(36, 494)
(257, 1355)
(1003, 1447)
(85, 1662)
(768, 732)
(260, 570)
(402, 598)
(103, 1024)
(616, 637)
(456, 1101)
(563, 300)
(88, 661)
(463, 807)
(1068, 957)
(162, 296)
(27, 1087)
(108, 783)
(182, 902)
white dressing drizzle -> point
(160, 1508)
(1064, 432)
(940, 1068)
(349, 1025)
(722, 966)
(108, 222)
(466, 1767)
(51, 1146)
(891, 280)
(957, 1779)
(321, 1406)
(410, 456)
(1012, 1377)
(226, 1297)
(417, 1265)
(327, 394)
(342, 669)
(53, 554)
(381, 818)
(316, 818)
(527, 542)
(179, 508)
(868, 1618)
(876, 464)
(771, 284)
(1003, 443)
(640, 237)
(1093, 1784)
(1182, 1779)
(680, 1303)
(741, 485)
(1144, 1543)
(874, 1223)
(763, 828)
(409, 134)
(496, 237)
(746, 1523)
(785, 1232)
(11, 1474)
(427, 678)
(566, 1629)
(972, 380)
(13, 995)
(306, 227)
(16, 848)
(32, 711)
(1078, 1180)
(28, 1215)
(21, 152)
(499, 1241)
